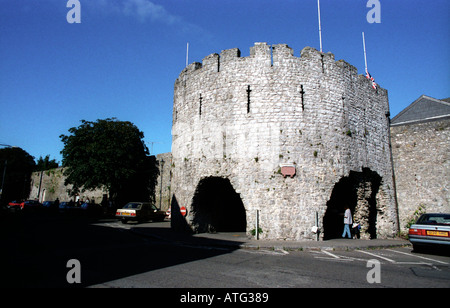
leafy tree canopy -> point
(103, 154)
(46, 163)
(16, 165)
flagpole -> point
(368, 76)
(365, 55)
(187, 54)
(320, 28)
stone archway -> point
(358, 191)
(216, 207)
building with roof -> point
(420, 139)
(423, 109)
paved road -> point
(35, 251)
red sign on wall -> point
(288, 170)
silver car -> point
(431, 229)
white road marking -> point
(333, 259)
(330, 254)
(282, 251)
(356, 259)
(377, 256)
(416, 256)
(326, 255)
(267, 251)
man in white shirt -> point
(347, 222)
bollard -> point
(317, 225)
(257, 225)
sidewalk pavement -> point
(239, 240)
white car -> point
(140, 211)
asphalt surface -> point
(241, 240)
(36, 249)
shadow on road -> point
(36, 248)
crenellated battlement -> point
(264, 55)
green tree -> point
(16, 165)
(45, 164)
(108, 154)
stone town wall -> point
(421, 155)
(49, 184)
(242, 118)
(163, 184)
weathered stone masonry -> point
(422, 163)
(238, 120)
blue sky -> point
(123, 58)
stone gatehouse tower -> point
(286, 136)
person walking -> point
(347, 222)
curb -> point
(292, 246)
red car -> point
(15, 205)
(22, 205)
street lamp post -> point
(161, 179)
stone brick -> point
(421, 154)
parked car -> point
(31, 205)
(68, 208)
(140, 211)
(49, 205)
(430, 230)
(14, 205)
(24, 205)
(92, 209)
(63, 207)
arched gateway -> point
(358, 191)
(216, 207)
